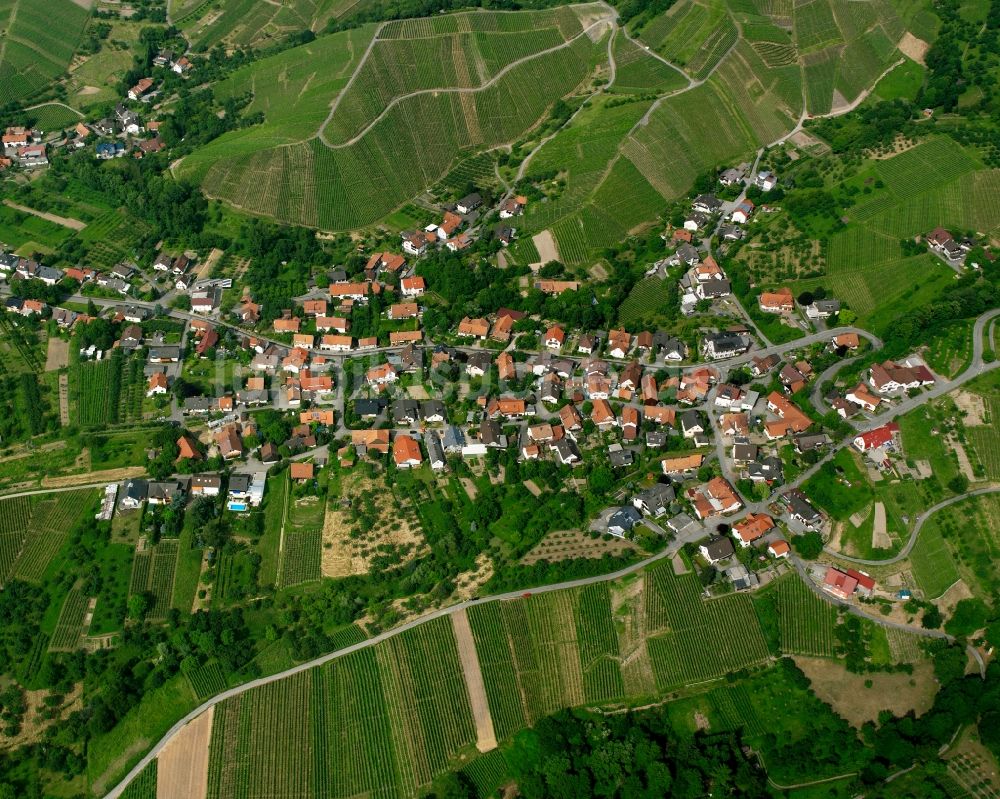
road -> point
(923, 517)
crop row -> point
(301, 557)
(806, 622)
(14, 514)
(69, 627)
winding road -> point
(923, 517)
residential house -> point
(602, 415)
(884, 436)
(229, 442)
(506, 367)
(164, 492)
(490, 434)
(158, 384)
(779, 301)
(691, 424)
(301, 471)
(513, 206)
(707, 204)
(133, 493)
(381, 375)
(790, 417)
(469, 203)
(205, 485)
(435, 452)
(725, 345)
(433, 411)
(416, 242)
(753, 527)
(716, 549)
(406, 411)
(474, 328)
(412, 286)
(741, 215)
(621, 522)
(823, 309)
(890, 377)
(778, 549)
(141, 88)
(655, 500)
(681, 465)
(839, 583)
(630, 423)
(850, 341)
(862, 397)
(619, 343)
(556, 287)
(555, 337)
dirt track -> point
(65, 221)
(486, 739)
(182, 766)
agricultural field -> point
(52, 518)
(350, 176)
(153, 574)
(639, 72)
(245, 23)
(402, 714)
(806, 622)
(144, 786)
(106, 392)
(207, 680)
(70, 627)
(693, 35)
(37, 44)
(692, 640)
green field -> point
(806, 622)
(37, 43)
(933, 567)
(106, 392)
(646, 300)
(143, 786)
(69, 628)
(245, 23)
(960, 542)
(153, 572)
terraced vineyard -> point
(37, 43)
(472, 95)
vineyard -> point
(49, 526)
(349, 183)
(106, 392)
(69, 630)
(38, 42)
(639, 72)
(806, 622)
(143, 786)
(153, 572)
(381, 722)
(207, 680)
(301, 557)
(693, 640)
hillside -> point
(706, 82)
(419, 95)
(37, 42)
(417, 704)
(249, 23)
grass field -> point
(961, 541)
(38, 42)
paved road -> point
(923, 517)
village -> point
(709, 443)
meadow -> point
(962, 543)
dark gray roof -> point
(434, 450)
(624, 518)
(453, 437)
(369, 407)
(718, 547)
(240, 482)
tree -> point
(139, 605)
(931, 620)
(601, 480)
(808, 546)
